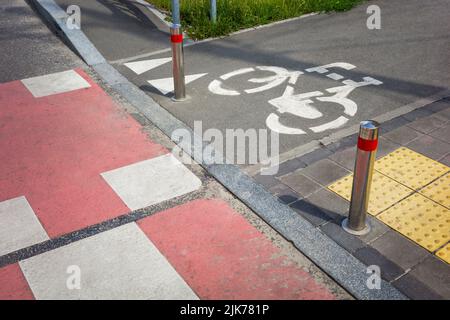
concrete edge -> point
(339, 264)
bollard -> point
(176, 37)
(365, 158)
(213, 13)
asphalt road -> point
(28, 47)
(408, 58)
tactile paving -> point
(410, 168)
(444, 253)
(384, 191)
(439, 190)
(422, 220)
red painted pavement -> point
(221, 256)
(54, 148)
(13, 285)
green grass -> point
(233, 15)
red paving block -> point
(221, 256)
(54, 149)
(13, 285)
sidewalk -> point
(93, 205)
(409, 202)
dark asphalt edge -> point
(338, 263)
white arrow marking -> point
(139, 67)
(330, 125)
(166, 85)
(216, 87)
(297, 104)
(273, 123)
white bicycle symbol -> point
(299, 105)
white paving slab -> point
(55, 83)
(139, 67)
(19, 226)
(121, 263)
(165, 85)
(151, 181)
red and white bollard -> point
(365, 159)
(176, 38)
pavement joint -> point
(239, 183)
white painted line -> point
(121, 263)
(55, 83)
(139, 67)
(236, 73)
(165, 85)
(19, 226)
(151, 181)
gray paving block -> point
(300, 183)
(267, 181)
(445, 160)
(445, 114)
(290, 166)
(402, 135)
(316, 155)
(415, 289)
(349, 242)
(324, 171)
(345, 158)
(399, 249)
(385, 146)
(370, 256)
(427, 124)
(284, 193)
(435, 274)
(430, 147)
(393, 124)
(442, 133)
(330, 203)
(439, 105)
(311, 212)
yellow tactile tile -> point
(444, 253)
(420, 219)
(410, 168)
(384, 191)
(439, 190)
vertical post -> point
(176, 12)
(213, 12)
(176, 38)
(362, 178)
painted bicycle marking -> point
(299, 104)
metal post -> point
(362, 178)
(213, 11)
(176, 37)
(176, 12)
